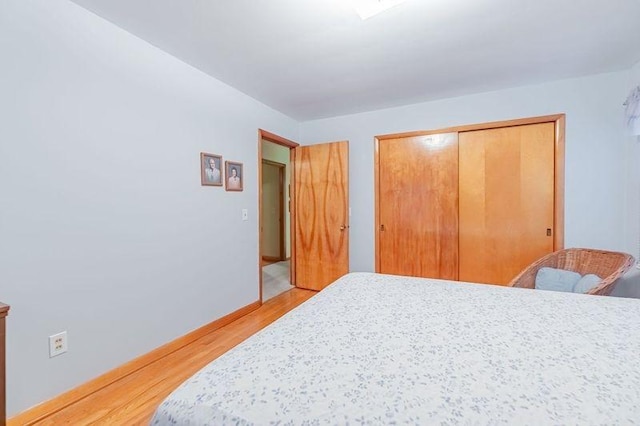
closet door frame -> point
(559, 155)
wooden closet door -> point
(506, 200)
(418, 206)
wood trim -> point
(292, 217)
(259, 179)
(274, 259)
(376, 183)
(559, 166)
(479, 126)
(348, 215)
(283, 236)
(272, 137)
(64, 400)
(274, 163)
(558, 235)
(4, 311)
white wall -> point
(631, 283)
(635, 74)
(105, 230)
(595, 152)
(633, 169)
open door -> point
(321, 211)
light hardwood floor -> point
(133, 399)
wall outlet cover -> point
(58, 344)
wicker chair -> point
(609, 265)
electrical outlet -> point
(57, 344)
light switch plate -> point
(245, 214)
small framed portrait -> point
(234, 175)
(210, 169)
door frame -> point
(559, 160)
(278, 140)
(282, 253)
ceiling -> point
(316, 58)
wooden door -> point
(321, 211)
(272, 211)
(506, 200)
(418, 206)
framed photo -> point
(234, 176)
(210, 169)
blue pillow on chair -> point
(586, 283)
(556, 279)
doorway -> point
(276, 257)
(275, 251)
(316, 210)
(275, 241)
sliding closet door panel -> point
(418, 206)
(506, 200)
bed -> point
(380, 349)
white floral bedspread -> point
(378, 349)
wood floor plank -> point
(133, 399)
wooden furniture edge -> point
(60, 402)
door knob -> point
(343, 227)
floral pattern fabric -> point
(376, 349)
